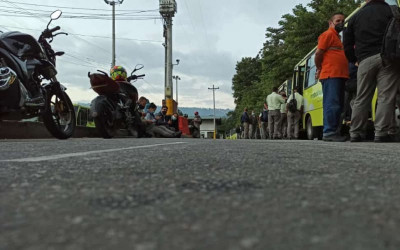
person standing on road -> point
(283, 119)
(197, 120)
(264, 124)
(274, 101)
(363, 41)
(252, 125)
(245, 120)
(332, 71)
(294, 117)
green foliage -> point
(296, 35)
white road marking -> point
(61, 156)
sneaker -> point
(334, 138)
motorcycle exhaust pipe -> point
(7, 77)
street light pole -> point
(215, 125)
(113, 3)
(168, 8)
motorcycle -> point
(116, 106)
(24, 63)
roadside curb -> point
(37, 130)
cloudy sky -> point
(210, 36)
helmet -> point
(118, 73)
(196, 113)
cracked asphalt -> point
(146, 194)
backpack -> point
(292, 105)
(244, 118)
(391, 39)
(264, 116)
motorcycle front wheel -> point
(104, 121)
(59, 115)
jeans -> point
(333, 97)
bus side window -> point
(300, 79)
(289, 87)
(311, 71)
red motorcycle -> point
(116, 106)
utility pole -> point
(177, 78)
(113, 3)
(215, 125)
(168, 8)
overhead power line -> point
(94, 36)
(77, 8)
(35, 15)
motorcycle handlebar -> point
(54, 29)
(135, 77)
(48, 33)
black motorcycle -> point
(24, 63)
(116, 106)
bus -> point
(82, 113)
(311, 89)
(286, 87)
(83, 117)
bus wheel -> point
(312, 132)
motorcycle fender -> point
(95, 104)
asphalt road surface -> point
(146, 194)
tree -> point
(296, 35)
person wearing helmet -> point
(118, 73)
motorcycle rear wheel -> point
(104, 121)
(59, 115)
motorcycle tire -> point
(104, 122)
(59, 116)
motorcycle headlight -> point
(7, 77)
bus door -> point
(300, 79)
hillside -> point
(203, 112)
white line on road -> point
(61, 156)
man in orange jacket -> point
(332, 70)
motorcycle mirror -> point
(137, 67)
(55, 15)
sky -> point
(209, 38)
